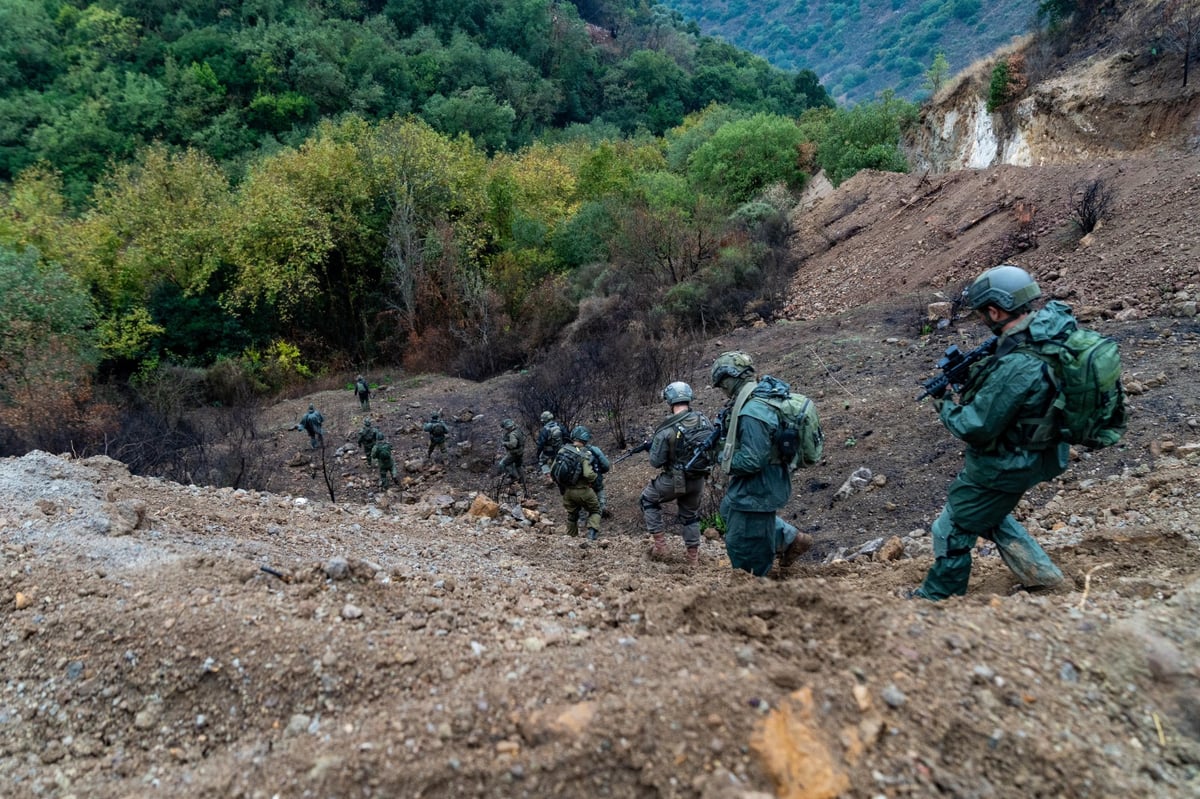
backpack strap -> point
(731, 436)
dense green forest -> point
(203, 202)
(862, 47)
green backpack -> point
(798, 440)
(1089, 406)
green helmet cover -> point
(581, 433)
(731, 364)
(1006, 286)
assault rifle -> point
(956, 367)
(700, 453)
(642, 447)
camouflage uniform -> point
(381, 454)
(513, 463)
(311, 423)
(363, 392)
(437, 430)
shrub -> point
(1092, 202)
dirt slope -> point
(185, 641)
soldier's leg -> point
(688, 504)
(658, 491)
(749, 539)
(592, 504)
(1024, 555)
(971, 510)
(571, 506)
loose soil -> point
(188, 641)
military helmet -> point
(677, 392)
(547, 416)
(378, 434)
(435, 416)
(581, 433)
(1006, 286)
(731, 364)
(311, 408)
(508, 424)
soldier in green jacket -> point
(759, 480)
(1004, 392)
(381, 454)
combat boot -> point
(802, 543)
(593, 534)
(693, 556)
(658, 549)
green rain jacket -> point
(1004, 389)
(758, 481)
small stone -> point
(893, 697)
(350, 611)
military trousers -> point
(685, 492)
(751, 538)
(971, 511)
(577, 499)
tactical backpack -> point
(690, 434)
(553, 436)
(798, 439)
(1089, 402)
(571, 466)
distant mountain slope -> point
(861, 47)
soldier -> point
(311, 423)
(681, 479)
(513, 463)
(549, 441)
(995, 415)
(366, 438)
(363, 392)
(759, 480)
(575, 468)
(381, 454)
(437, 430)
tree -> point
(47, 354)
(937, 73)
(1181, 30)
(746, 155)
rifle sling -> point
(731, 435)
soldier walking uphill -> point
(363, 392)
(550, 440)
(758, 458)
(1002, 413)
(311, 423)
(437, 430)
(574, 471)
(512, 465)
(366, 437)
(673, 450)
(381, 454)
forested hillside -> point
(82, 82)
(203, 203)
(861, 47)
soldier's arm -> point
(996, 404)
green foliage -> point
(937, 73)
(83, 84)
(862, 47)
(744, 156)
(998, 92)
(1055, 12)
(866, 136)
